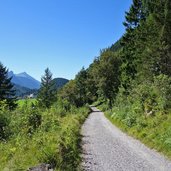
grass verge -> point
(153, 131)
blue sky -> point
(64, 35)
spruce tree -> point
(46, 95)
(134, 16)
(165, 48)
(129, 58)
(7, 93)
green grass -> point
(43, 136)
(154, 131)
(26, 101)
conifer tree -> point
(133, 19)
(7, 93)
(46, 95)
(134, 16)
(165, 47)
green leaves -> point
(109, 75)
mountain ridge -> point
(24, 80)
(24, 84)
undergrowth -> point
(145, 113)
(31, 136)
(155, 133)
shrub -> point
(4, 126)
(145, 112)
(4, 121)
(34, 120)
(42, 137)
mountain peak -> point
(22, 74)
(10, 73)
(25, 80)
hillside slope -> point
(59, 82)
(24, 80)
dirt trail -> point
(106, 148)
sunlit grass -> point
(22, 102)
(154, 131)
(42, 136)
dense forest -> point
(130, 81)
(138, 64)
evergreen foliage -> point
(7, 93)
(47, 94)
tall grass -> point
(42, 136)
(24, 102)
(155, 132)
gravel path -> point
(106, 148)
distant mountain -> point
(59, 82)
(25, 85)
(23, 91)
(24, 80)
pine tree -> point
(132, 23)
(134, 16)
(46, 95)
(165, 47)
(7, 93)
(152, 47)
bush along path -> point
(54, 141)
(105, 147)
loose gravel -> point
(106, 148)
